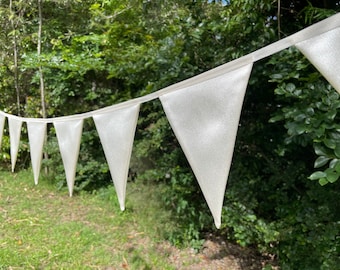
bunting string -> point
(203, 112)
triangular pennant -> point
(205, 119)
(116, 131)
(69, 136)
(324, 53)
(36, 137)
(14, 135)
(2, 124)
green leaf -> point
(323, 181)
(334, 178)
(298, 92)
(330, 143)
(317, 175)
(300, 129)
(300, 117)
(334, 162)
(337, 167)
(337, 150)
(320, 161)
(332, 175)
(335, 135)
(320, 150)
(310, 111)
(276, 118)
(276, 76)
(290, 87)
(280, 91)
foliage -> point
(308, 108)
(310, 230)
(97, 53)
(314, 121)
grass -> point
(42, 228)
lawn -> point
(42, 228)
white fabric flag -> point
(36, 137)
(323, 52)
(69, 137)
(14, 136)
(204, 118)
(2, 124)
(116, 131)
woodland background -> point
(61, 57)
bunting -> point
(205, 118)
(116, 132)
(36, 137)
(203, 112)
(69, 135)
(15, 125)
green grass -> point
(42, 228)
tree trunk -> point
(41, 75)
(15, 55)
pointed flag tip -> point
(218, 223)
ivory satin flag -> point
(204, 118)
(15, 125)
(36, 137)
(69, 136)
(116, 131)
(323, 51)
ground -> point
(42, 228)
(217, 254)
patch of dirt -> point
(217, 254)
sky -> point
(224, 2)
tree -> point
(105, 52)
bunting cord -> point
(319, 28)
